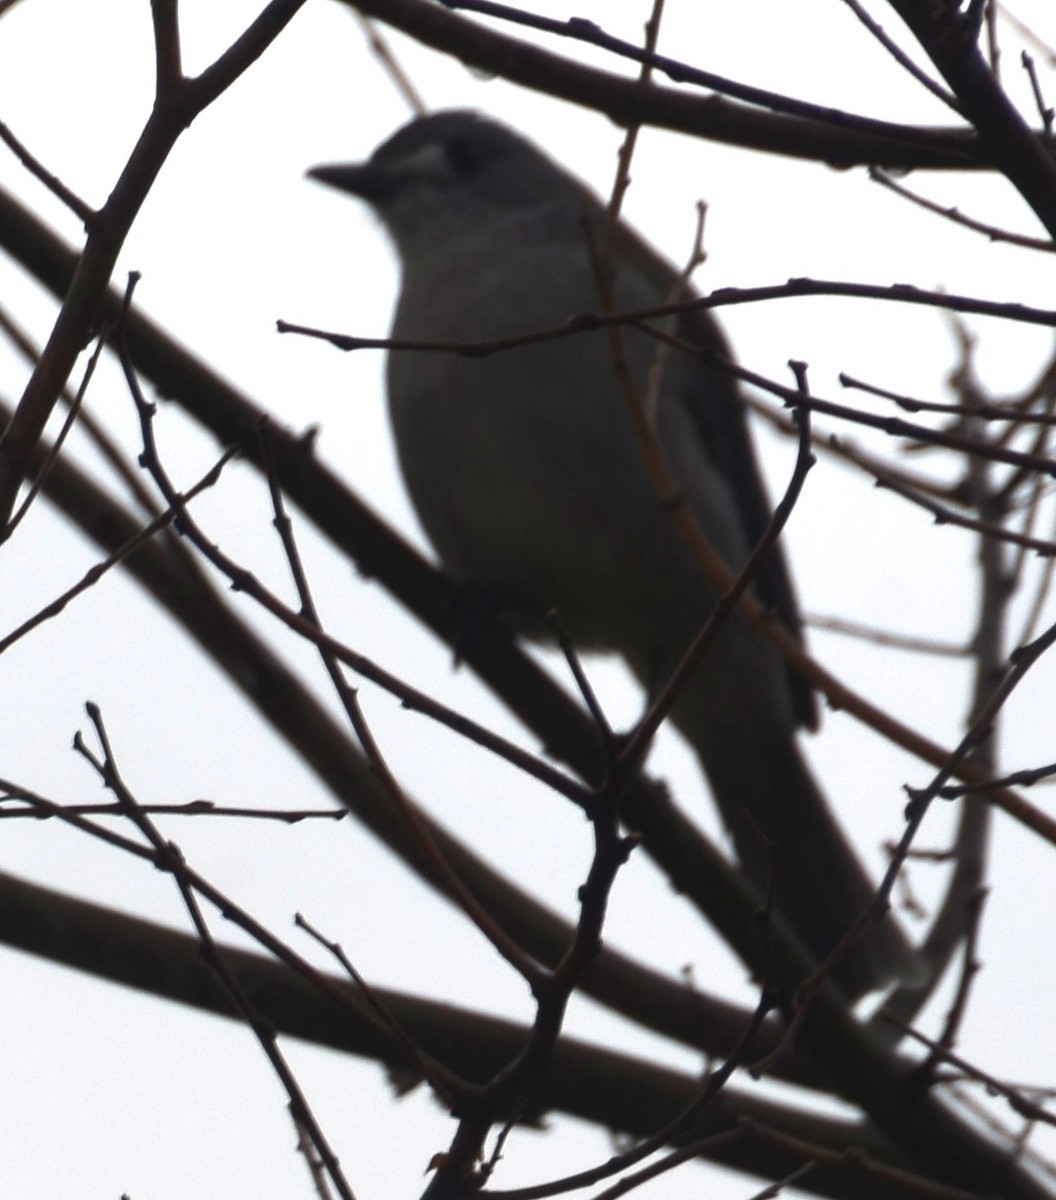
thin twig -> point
(53, 452)
(725, 297)
(83, 211)
(447, 878)
(1013, 1096)
(1045, 111)
(969, 970)
(169, 858)
(903, 59)
(193, 808)
(96, 572)
(884, 637)
(383, 52)
(993, 232)
(414, 1053)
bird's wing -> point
(713, 398)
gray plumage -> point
(527, 477)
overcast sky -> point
(108, 1092)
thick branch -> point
(950, 39)
(626, 102)
(609, 1089)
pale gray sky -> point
(108, 1092)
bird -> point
(530, 482)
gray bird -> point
(528, 478)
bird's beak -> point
(365, 179)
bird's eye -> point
(466, 155)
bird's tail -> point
(783, 828)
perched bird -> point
(529, 480)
